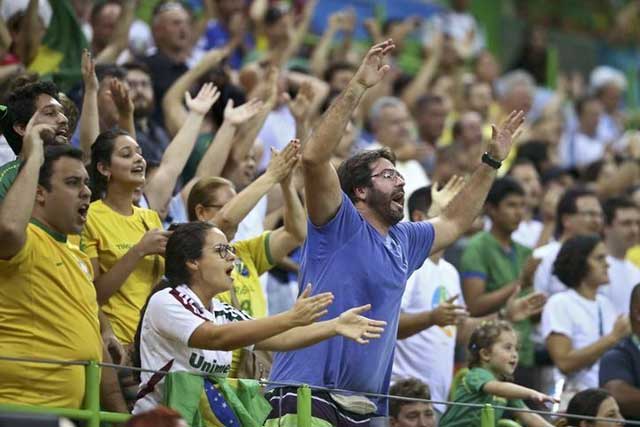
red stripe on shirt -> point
(155, 379)
(177, 295)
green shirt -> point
(470, 390)
(199, 150)
(8, 174)
(486, 259)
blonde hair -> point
(203, 193)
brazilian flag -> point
(215, 401)
(60, 52)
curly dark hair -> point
(571, 265)
(408, 387)
(355, 172)
(484, 337)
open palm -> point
(373, 68)
(207, 96)
(502, 136)
(359, 328)
(441, 197)
(242, 113)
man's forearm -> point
(490, 302)
(295, 220)
(89, 122)
(467, 204)
(412, 323)
(328, 133)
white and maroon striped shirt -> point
(172, 316)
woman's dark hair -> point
(101, 152)
(585, 403)
(355, 172)
(484, 337)
(571, 265)
(184, 244)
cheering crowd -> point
(217, 195)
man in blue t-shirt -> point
(357, 249)
(620, 366)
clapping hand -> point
(441, 197)
(243, 113)
(521, 308)
(352, 325)
(502, 137)
(204, 100)
(448, 313)
(283, 162)
(373, 69)
(121, 97)
(88, 68)
(308, 309)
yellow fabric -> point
(633, 255)
(49, 310)
(108, 236)
(252, 260)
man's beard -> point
(142, 110)
(381, 204)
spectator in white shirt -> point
(582, 146)
(430, 321)
(621, 232)
(530, 229)
(579, 325)
(578, 212)
(609, 84)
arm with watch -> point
(459, 214)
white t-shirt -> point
(528, 233)
(543, 279)
(578, 149)
(584, 322)
(428, 355)
(172, 316)
(623, 276)
(253, 224)
(279, 128)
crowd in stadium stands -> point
(215, 194)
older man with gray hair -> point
(608, 84)
(393, 127)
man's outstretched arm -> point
(457, 217)
(320, 177)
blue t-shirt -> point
(348, 257)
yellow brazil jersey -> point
(49, 310)
(108, 236)
(633, 255)
(252, 260)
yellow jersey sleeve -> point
(25, 253)
(258, 250)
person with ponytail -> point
(185, 328)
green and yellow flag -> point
(60, 53)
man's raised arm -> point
(320, 177)
(458, 216)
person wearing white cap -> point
(608, 84)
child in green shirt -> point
(493, 349)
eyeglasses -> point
(224, 250)
(389, 174)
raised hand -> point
(206, 97)
(301, 105)
(448, 313)
(441, 197)
(34, 137)
(502, 137)
(373, 68)
(622, 327)
(521, 308)
(243, 113)
(308, 309)
(352, 325)
(121, 97)
(283, 162)
(153, 242)
(88, 68)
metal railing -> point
(92, 414)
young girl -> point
(493, 349)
